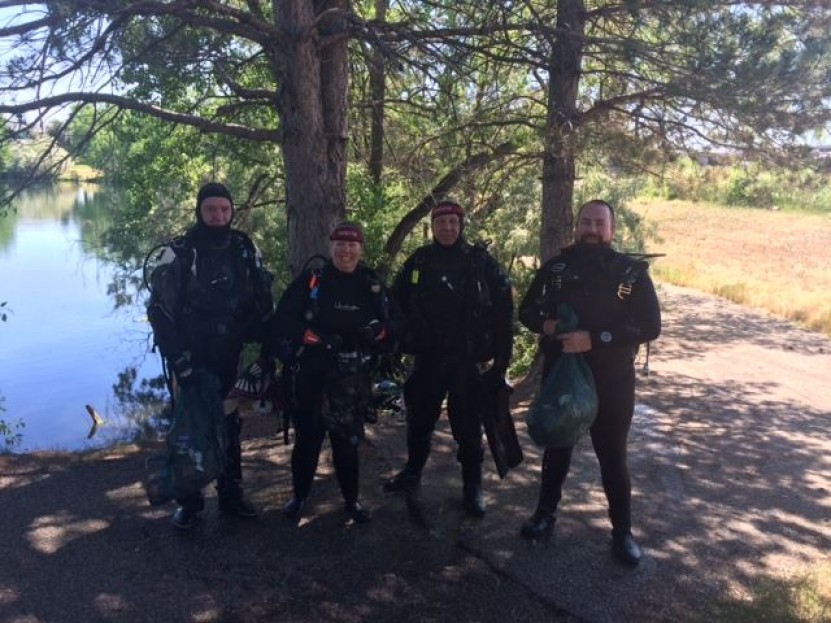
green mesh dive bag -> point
(195, 444)
(566, 406)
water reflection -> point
(78, 335)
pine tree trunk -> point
(377, 89)
(313, 117)
(558, 169)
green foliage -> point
(27, 155)
(662, 76)
(37, 156)
(377, 210)
(526, 352)
(10, 431)
(5, 148)
(508, 212)
(157, 170)
(525, 341)
(752, 184)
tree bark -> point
(558, 167)
(313, 116)
(377, 91)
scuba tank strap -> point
(378, 294)
(630, 274)
(291, 399)
(312, 301)
(313, 268)
(476, 273)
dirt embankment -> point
(731, 466)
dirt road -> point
(731, 464)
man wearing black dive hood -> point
(458, 308)
(210, 295)
(617, 310)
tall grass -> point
(772, 260)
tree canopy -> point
(502, 103)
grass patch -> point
(804, 599)
(772, 260)
(81, 173)
(736, 292)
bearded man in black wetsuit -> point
(617, 310)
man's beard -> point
(592, 239)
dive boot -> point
(357, 512)
(237, 506)
(231, 501)
(474, 501)
(539, 527)
(294, 508)
(473, 498)
(626, 549)
(406, 480)
(184, 518)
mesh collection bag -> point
(196, 443)
(566, 406)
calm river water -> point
(63, 344)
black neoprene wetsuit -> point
(616, 303)
(458, 307)
(333, 306)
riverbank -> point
(732, 491)
(53, 163)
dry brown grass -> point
(778, 261)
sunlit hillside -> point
(778, 261)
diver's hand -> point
(576, 341)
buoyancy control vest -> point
(451, 306)
(209, 289)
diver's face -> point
(594, 224)
(345, 254)
(446, 229)
(216, 211)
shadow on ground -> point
(731, 483)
